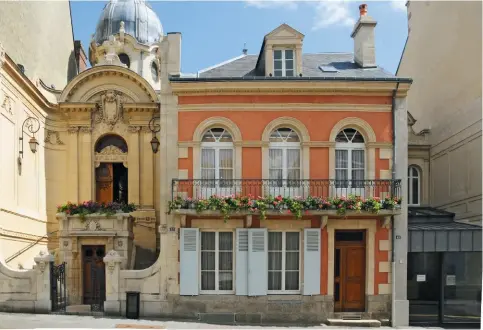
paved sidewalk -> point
(36, 321)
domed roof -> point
(140, 21)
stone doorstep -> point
(354, 323)
(139, 326)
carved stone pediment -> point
(111, 154)
(109, 109)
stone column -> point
(400, 304)
(85, 165)
(147, 173)
(43, 303)
(112, 305)
(133, 164)
(73, 165)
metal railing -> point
(28, 247)
(204, 188)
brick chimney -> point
(364, 43)
(80, 56)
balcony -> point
(316, 196)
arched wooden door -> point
(94, 276)
(104, 183)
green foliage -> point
(297, 206)
(91, 207)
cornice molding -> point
(284, 106)
(25, 84)
(384, 88)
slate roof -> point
(245, 67)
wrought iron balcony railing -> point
(204, 188)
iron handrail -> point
(28, 247)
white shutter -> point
(257, 262)
(312, 248)
(188, 266)
(241, 270)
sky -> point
(216, 31)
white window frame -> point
(217, 271)
(349, 146)
(284, 62)
(217, 146)
(284, 240)
(410, 185)
(285, 189)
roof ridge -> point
(222, 63)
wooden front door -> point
(104, 183)
(94, 276)
(349, 271)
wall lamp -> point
(33, 126)
(155, 128)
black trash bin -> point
(132, 305)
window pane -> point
(415, 172)
(293, 175)
(357, 159)
(207, 158)
(274, 280)
(275, 241)
(225, 281)
(289, 73)
(276, 174)
(293, 158)
(291, 280)
(274, 260)
(207, 260)
(358, 138)
(358, 175)
(225, 261)
(292, 260)
(277, 73)
(277, 65)
(207, 280)
(288, 54)
(289, 65)
(225, 241)
(208, 241)
(292, 241)
(341, 158)
(226, 158)
(208, 174)
(226, 177)
(277, 54)
(415, 195)
(276, 158)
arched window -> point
(217, 158)
(350, 160)
(124, 58)
(284, 158)
(414, 186)
(154, 71)
(111, 140)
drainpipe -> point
(393, 190)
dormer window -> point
(283, 63)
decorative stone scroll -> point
(7, 105)
(111, 154)
(49, 134)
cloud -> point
(399, 5)
(332, 12)
(288, 4)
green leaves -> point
(297, 206)
(91, 207)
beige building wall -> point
(22, 189)
(443, 56)
(38, 35)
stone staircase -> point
(144, 258)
